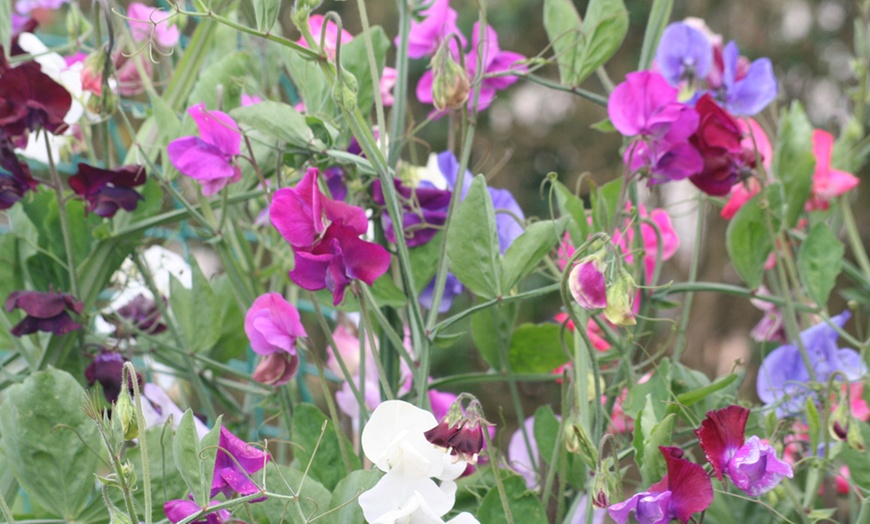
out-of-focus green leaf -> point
(491, 331)
(229, 73)
(527, 250)
(524, 504)
(820, 260)
(649, 434)
(536, 348)
(563, 26)
(794, 162)
(266, 13)
(195, 310)
(571, 206)
(604, 202)
(748, 242)
(345, 493)
(355, 60)
(41, 424)
(659, 17)
(313, 499)
(279, 121)
(604, 28)
(327, 466)
(473, 246)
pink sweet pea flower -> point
(587, 283)
(209, 157)
(670, 242)
(751, 464)
(437, 24)
(236, 461)
(272, 325)
(827, 182)
(150, 24)
(331, 37)
(388, 81)
(325, 235)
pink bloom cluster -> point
(325, 236)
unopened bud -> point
(620, 300)
(345, 91)
(126, 413)
(450, 84)
(276, 369)
(460, 432)
(587, 283)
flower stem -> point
(63, 216)
(693, 276)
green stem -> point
(400, 91)
(693, 276)
(588, 95)
(64, 219)
(143, 441)
(496, 473)
(854, 236)
(4, 508)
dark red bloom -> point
(46, 311)
(106, 368)
(15, 177)
(108, 190)
(31, 100)
(143, 313)
(718, 139)
(722, 434)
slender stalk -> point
(400, 91)
(143, 442)
(4, 508)
(693, 276)
(854, 236)
(66, 232)
(499, 484)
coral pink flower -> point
(670, 242)
(150, 24)
(330, 38)
(827, 182)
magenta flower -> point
(325, 237)
(388, 82)
(827, 182)
(209, 157)
(437, 23)
(179, 509)
(236, 461)
(150, 24)
(751, 465)
(331, 37)
(587, 283)
(685, 490)
(46, 311)
(107, 190)
(272, 325)
(646, 107)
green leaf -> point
(659, 17)
(491, 331)
(604, 126)
(347, 509)
(424, 260)
(813, 422)
(604, 202)
(165, 478)
(52, 465)
(354, 59)
(524, 504)
(793, 161)
(282, 480)
(696, 395)
(546, 432)
(196, 311)
(649, 434)
(820, 260)
(472, 244)
(185, 449)
(327, 466)
(537, 348)
(748, 242)
(168, 124)
(312, 85)
(229, 72)
(563, 26)
(277, 120)
(604, 28)
(387, 293)
(232, 341)
(527, 250)
(266, 13)
(571, 206)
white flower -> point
(393, 440)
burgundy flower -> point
(106, 368)
(108, 190)
(325, 235)
(460, 432)
(46, 311)
(424, 211)
(30, 100)
(143, 313)
(719, 140)
(751, 465)
(236, 461)
(15, 179)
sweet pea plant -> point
(301, 380)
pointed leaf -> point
(537, 348)
(277, 120)
(748, 242)
(527, 251)
(820, 260)
(793, 161)
(327, 465)
(604, 28)
(185, 449)
(562, 23)
(196, 311)
(472, 243)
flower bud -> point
(461, 433)
(450, 84)
(586, 281)
(276, 369)
(578, 441)
(620, 300)
(126, 413)
(345, 92)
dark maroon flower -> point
(15, 179)
(31, 100)
(46, 311)
(143, 313)
(460, 432)
(108, 190)
(718, 139)
(424, 211)
(106, 368)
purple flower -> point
(107, 190)
(452, 289)
(745, 92)
(149, 24)
(324, 234)
(209, 157)
(236, 461)
(494, 61)
(437, 24)
(684, 54)
(144, 314)
(751, 465)
(272, 325)
(24, 7)
(685, 490)
(783, 376)
(46, 311)
(179, 509)
(15, 179)
(106, 368)
(645, 106)
(587, 284)
(424, 211)
(30, 100)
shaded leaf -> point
(472, 244)
(820, 260)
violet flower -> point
(272, 325)
(685, 490)
(106, 368)
(209, 157)
(46, 311)
(149, 24)
(236, 461)
(684, 54)
(751, 465)
(424, 211)
(437, 24)
(646, 107)
(107, 190)
(743, 91)
(179, 509)
(324, 234)
(15, 178)
(783, 376)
